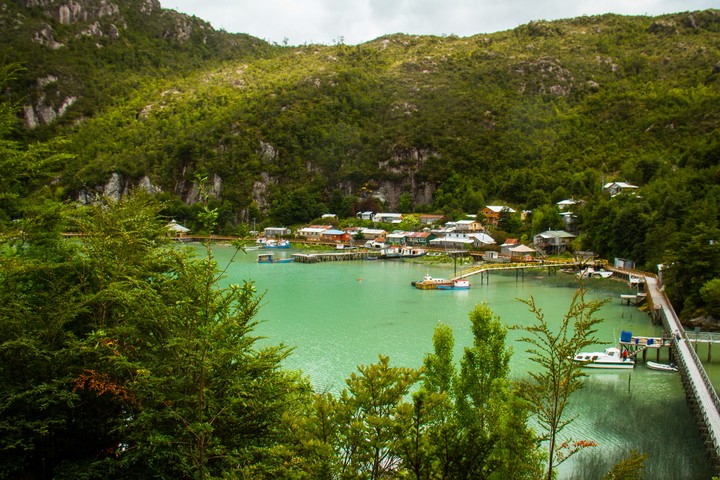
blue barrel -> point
(625, 336)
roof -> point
(452, 240)
(499, 208)
(556, 234)
(312, 230)
(522, 249)
(372, 231)
(176, 227)
(332, 231)
(620, 185)
(419, 234)
(482, 237)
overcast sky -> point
(328, 22)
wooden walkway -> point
(699, 390)
(494, 267)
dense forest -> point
(135, 96)
(123, 357)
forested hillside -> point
(527, 117)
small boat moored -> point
(610, 358)
(268, 258)
(591, 272)
(456, 285)
(430, 283)
(276, 244)
(662, 367)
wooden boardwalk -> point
(494, 267)
(699, 390)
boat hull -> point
(661, 367)
(607, 365)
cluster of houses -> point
(461, 234)
(457, 235)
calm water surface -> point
(339, 315)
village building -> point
(616, 188)
(177, 230)
(271, 232)
(507, 245)
(334, 235)
(387, 218)
(431, 219)
(553, 241)
(468, 226)
(492, 213)
(364, 215)
(313, 232)
(373, 234)
(567, 204)
(396, 238)
(419, 239)
(463, 240)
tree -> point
(480, 429)
(549, 389)
(369, 419)
(150, 364)
(630, 468)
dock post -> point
(710, 351)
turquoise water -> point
(339, 315)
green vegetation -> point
(122, 357)
(526, 118)
(548, 390)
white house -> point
(276, 232)
(387, 217)
(567, 204)
(364, 215)
(468, 226)
(615, 188)
(313, 232)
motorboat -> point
(610, 358)
(591, 272)
(276, 244)
(456, 285)
(430, 283)
(662, 367)
(268, 258)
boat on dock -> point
(430, 283)
(276, 244)
(455, 285)
(662, 367)
(591, 272)
(610, 358)
(268, 258)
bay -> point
(338, 315)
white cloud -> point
(357, 21)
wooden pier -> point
(519, 267)
(699, 391)
(329, 257)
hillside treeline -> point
(526, 117)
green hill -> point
(527, 117)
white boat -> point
(456, 285)
(662, 367)
(610, 358)
(430, 283)
(590, 272)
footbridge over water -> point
(700, 393)
(484, 269)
